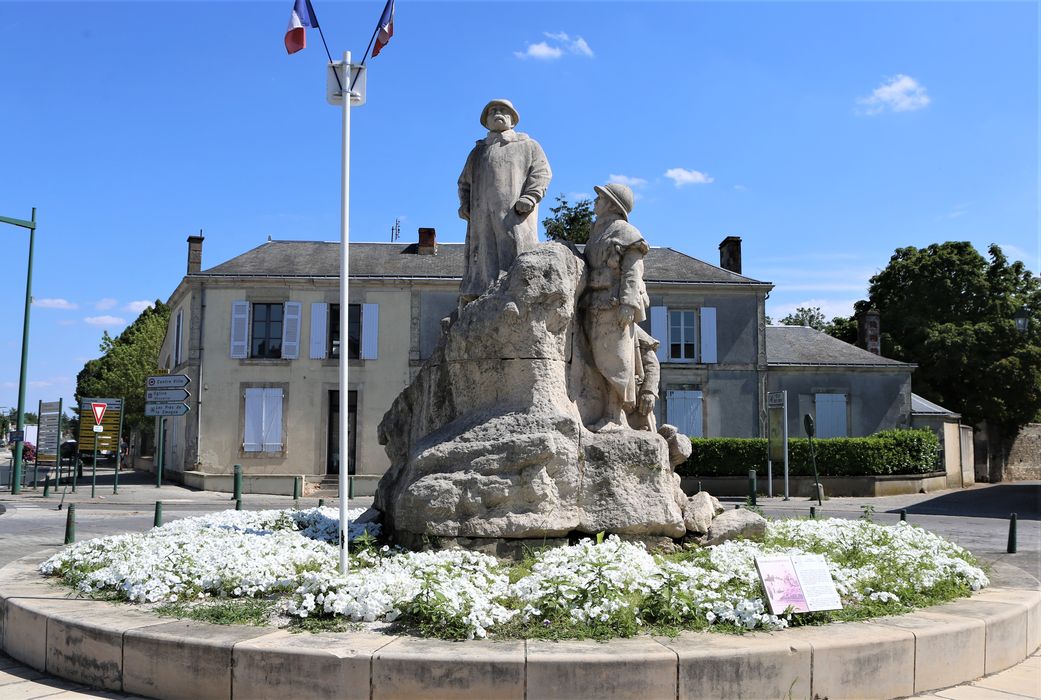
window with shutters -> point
(353, 331)
(178, 333)
(686, 335)
(682, 335)
(262, 419)
(266, 336)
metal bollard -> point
(297, 481)
(1012, 534)
(158, 521)
(321, 502)
(813, 512)
(70, 524)
(238, 504)
(238, 483)
(751, 486)
(47, 486)
(903, 515)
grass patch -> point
(238, 611)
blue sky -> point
(824, 134)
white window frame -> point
(693, 341)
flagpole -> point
(345, 199)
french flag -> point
(301, 18)
(386, 28)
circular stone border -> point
(114, 647)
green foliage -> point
(886, 452)
(127, 360)
(950, 310)
(237, 611)
(570, 222)
(803, 316)
(844, 328)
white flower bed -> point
(609, 588)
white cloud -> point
(105, 321)
(901, 93)
(626, 180)
(559, 43)
(67, 322)
(138, 306)
(740, 188)
(54, 304)
(579, 196)
(540, 51)
(105, 304)
(682, 176)
(1013, 252)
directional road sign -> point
(165, 409)
(162, 395)
(168, 381)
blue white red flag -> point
(301, 18)
(385, 29)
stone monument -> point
(533, 419)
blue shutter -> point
(708, 334)
(831, 415)
(319, 321)
(272, 420)
(253, 430)
(293, 310)
(370, 325)
(660, 331)
(683, 409)
(239, 329)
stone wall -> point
(1024, 458)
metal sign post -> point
(777, 411)
(165, 396)
(119, 455)
(98, 408)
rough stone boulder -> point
(734, 524)
(488, 441)
(699, 510)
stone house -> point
(259, 336)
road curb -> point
(116, 647)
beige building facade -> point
(259, 336)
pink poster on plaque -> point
(781, 583)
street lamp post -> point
(1022, 319)
(16, 472)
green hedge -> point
(887, 452)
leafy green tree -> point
(126, 362)
(950, 310)
(844, 328)
(803, 316)
(570, 222)
(839, 327)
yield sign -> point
(99, 411)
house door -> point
(333, 432)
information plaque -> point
(801, 583)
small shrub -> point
(886, 452)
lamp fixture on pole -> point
(1022, 319)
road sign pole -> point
(159, 455)
(94, 471)
(119, 449)
(57, 445)
(39, 431)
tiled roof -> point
(803, 346)
(393, 260)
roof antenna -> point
(269, 238)
(395, 230)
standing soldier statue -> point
(502, 183)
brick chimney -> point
(195, 253)
(730, 254)
(870, 331)
(427, 242)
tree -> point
(128, 360)
(803, 316)
(570, 222)
(950, 310)
(840, 327)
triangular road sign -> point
(99, 411)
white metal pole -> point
(345, 197)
